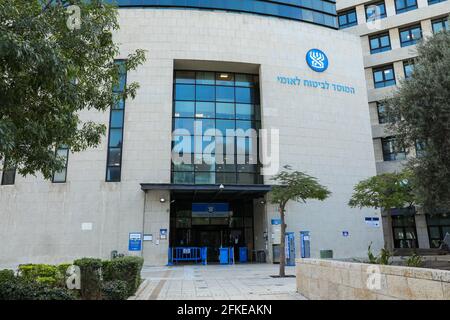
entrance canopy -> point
(211, 191)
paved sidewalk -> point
(235, 282)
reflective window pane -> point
(115, 138)
(225, 178)
(116, 118)
(187, 77)
(225, 110)
(114, 156)
(224, 125)
(186, 124)
(60, 176)
(183, 177)
(225, 94)
(244, 80)
(205, 77)
(245, 111)
(205, 110)
(244, 95)
(184, 109)
(205, 178)
(205, 93)
(113, 174)
(184, 92)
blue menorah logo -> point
(317, 60)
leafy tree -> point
(51, 70)
(293, 186)
(421, 106)
(386, 191)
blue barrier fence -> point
(195, 254)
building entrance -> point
(213, 225)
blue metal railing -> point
(195, 254)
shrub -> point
(91, 281)
(115, 290)
(62, 268)
(42, 273)
(20, 288)
(6, 275)
(383, 258)
(126, 269)
(414, 261)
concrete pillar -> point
(271, 213)
(156, 217)
(390, 7)
(427, 28)
(386, 220)
(422, 231)
(361, 14)
(260, 226)
(399, 71)
(422, 3)
(395, 38)
(378, 149)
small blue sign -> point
(135, 241)
(317, 60)
(210, 210)
(345, 233)
(276, 221)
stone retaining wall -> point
(338, 280)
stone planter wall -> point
(338, 280)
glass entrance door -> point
(212, 239)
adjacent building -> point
(389, 31)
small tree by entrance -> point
(293, 186)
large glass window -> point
(390, 150)
(404, 230)
(405, 5)
(347, 19)
(382, 114)
(384, 76)
(8, 174)
(62, 153)
(440, 25)
(408, 68)
(375, 11)
(410, 35)
(116, 123)
(379, 43)
(438, 227)
(420, 148)
(215, 136)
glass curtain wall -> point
(207, 107)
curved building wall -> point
(322, 131)
(322, 12)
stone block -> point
(446, 290)
(397, 286)
(425, 289)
